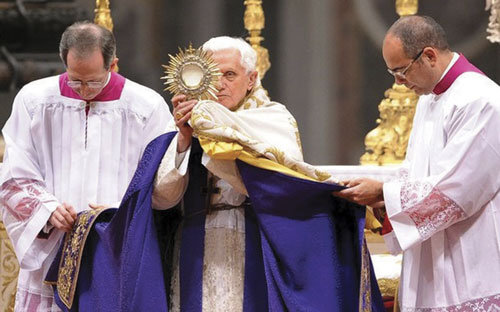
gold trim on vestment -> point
(69, 266)
(365, 289)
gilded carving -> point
(388, 286)
(254, 23)
(406, 7)
(103, 17)
(9, 269)
(386, 144)
(103, 14)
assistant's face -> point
(418, 77)
(235, 81)
(88, 73)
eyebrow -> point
(397, 68)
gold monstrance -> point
(193, 73)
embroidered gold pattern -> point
(69, 267)
(294, 124)
(365, 293)
(322, 175)
(208, 128)
(276, 155)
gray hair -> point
(248, 55)
(417, 32)
(85, 37)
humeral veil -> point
(304, 251)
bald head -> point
(417, 32)
(83, 38)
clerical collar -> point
(458, 65)
(112, 90)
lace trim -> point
(22, 197)
(428, 207)
(223, 272)
(402, 175)
(27, 301)
(486, 304)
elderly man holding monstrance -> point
(236, 250)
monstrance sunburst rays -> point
(192, 72)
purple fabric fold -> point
(303, 247)
(120, 267)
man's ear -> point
(431, 55)
(114, 64)
(252, 79)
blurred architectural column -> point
(307, 75)
(345, 29)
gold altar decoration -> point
(254, 23)
(406, 7)
(103, 17)
(494, 20)
(192, 72)
(387, 143)
(388, 285)
(103, 14)
(9, 269)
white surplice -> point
(224, 253)
(56, 153)
(445, 208)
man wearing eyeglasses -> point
(444, 210)
(73, 143)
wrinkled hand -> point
(182, 113)
(63, 217)
(363, 191)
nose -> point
(399, 80)
(84, 90)
(220, 84)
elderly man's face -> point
(417, 76)
(235, 82)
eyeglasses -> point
(90, 84)
(401, 74)
(95, 85)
